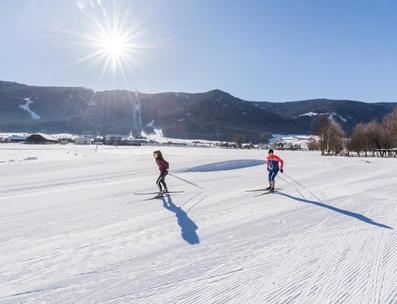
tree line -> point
(364, 138)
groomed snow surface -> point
(73, 231)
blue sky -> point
(257, 50)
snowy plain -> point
(73, 231)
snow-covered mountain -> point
(213, 115)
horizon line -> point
(202, 92)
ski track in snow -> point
(72, 231)
(26, 107)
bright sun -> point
(112, 36)
(115, 46)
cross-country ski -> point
(150, 193)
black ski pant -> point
(161, 181)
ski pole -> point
(191, 199)
(304, 187)
(296, 189)
(186, 181)
(294, 180)
(203, 198)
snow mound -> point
(225, 165)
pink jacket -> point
(163, 165)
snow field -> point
(72, 230)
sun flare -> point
(115, 46)
(112, 36)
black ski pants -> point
(161, 181)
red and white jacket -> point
(273, 163)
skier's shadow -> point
(188, 227)
(357, 216)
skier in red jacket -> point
(163, 167)
(273, 167)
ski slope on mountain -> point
(73, 231)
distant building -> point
(64, 137)
(119, 140)
(286, 146)
(229, 145)
(17, 138)
(247, 146)
(98, 140)
(83, 141)
(112, 139)
(41, 138)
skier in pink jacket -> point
(163, 167)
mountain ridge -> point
(214, 114)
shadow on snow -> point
(224, 165)
(357, 216)
(188, 227)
